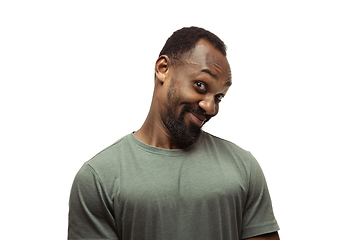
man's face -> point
(197, 86)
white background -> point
(78, 75)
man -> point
(170, 180)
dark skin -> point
(200, 79)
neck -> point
(154, 133)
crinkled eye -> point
(219, 97)
(201, 86)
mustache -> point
(197, 111)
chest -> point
(197, 196)
(174, 181)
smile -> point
(196, 120)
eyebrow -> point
(210, 73)
(228, 82)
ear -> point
(162, 68)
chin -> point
(185, 135)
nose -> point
(209, 105)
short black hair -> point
(185, 39)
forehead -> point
(205, 56)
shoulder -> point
(109, 153)
(227, 147)
(103, 168)
(106, 162)
(231, 153)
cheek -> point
(182, 96)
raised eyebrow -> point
(210, 73)
(228, 82)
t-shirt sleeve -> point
(90, 208)
(258, 216)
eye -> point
(219, 97)
(201, 87)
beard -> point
(185, 135)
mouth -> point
(198, 120)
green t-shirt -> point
(210, 190)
